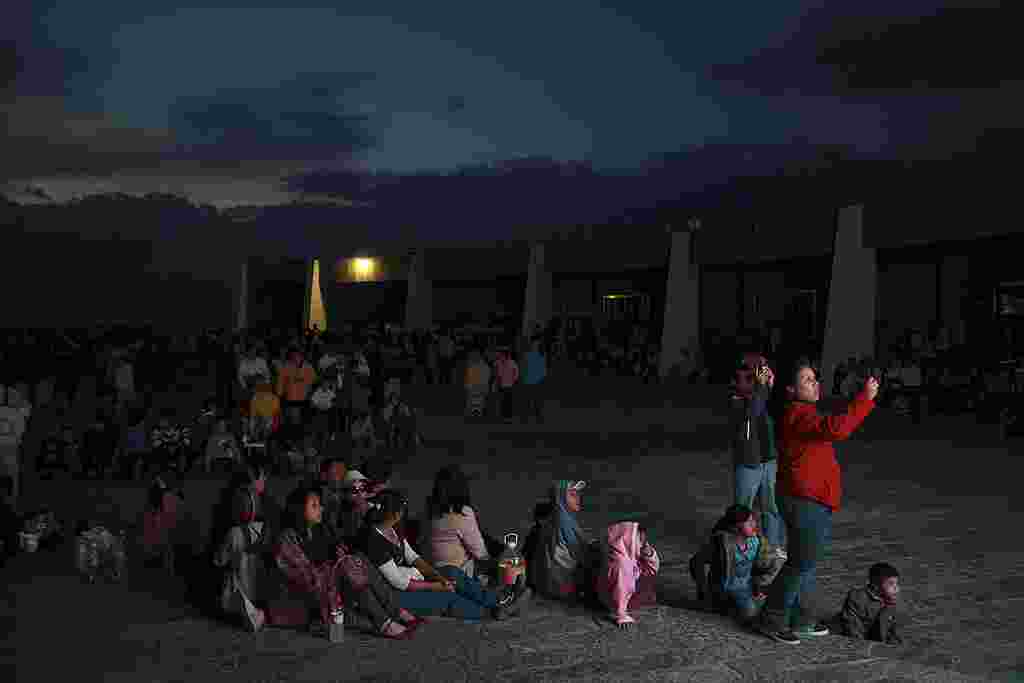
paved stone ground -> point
(938, 500)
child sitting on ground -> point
(160, 522)
(742, 565)
(541, 512)
(628, 569)
(565, 559)
(870, 612)
(98, 551)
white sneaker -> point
(255, 618)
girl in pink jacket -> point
(628, 570)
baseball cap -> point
(351, 477)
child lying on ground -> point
(870, 612)
(628, 569)
(742, 565)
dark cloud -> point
(41, 137)
(456, 104)
(296, 121)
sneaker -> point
(506, 597)
(780, 636)
(255, 618)
(812, 631)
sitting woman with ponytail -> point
(420, 588)
(326, 574)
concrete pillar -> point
(682, 297)
(537, 306)
(307, 300)
(419, 303)
(242, 301)
(850, 327)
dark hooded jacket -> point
(866, 617)
(752, 427)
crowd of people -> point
(344, 540)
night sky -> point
(239, 105)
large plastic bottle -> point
(510, 563)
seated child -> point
(419, 587)
(870, 612)
(170, 444)
(628, 569)
(541, 512)
(241, 554)
(57, 452)
(325, 574)
(565, 559)
(159, 523)
(99, 551)
(742, 564)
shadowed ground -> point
(939, 500)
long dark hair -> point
(733, 517)
(385, 504)
(450, 493)
(295, 506)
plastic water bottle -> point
(336, 629)
(510, 563)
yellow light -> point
(363, 268)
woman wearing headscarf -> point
(628, 569)
(565, 557)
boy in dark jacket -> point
(871, 612)
(755, 461)
(742, 565)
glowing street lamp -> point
(363, 269)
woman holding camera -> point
(809, 491)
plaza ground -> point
(938, 500)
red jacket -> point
(807, 461)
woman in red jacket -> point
(808, 492)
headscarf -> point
(569, 531)
(622, 543)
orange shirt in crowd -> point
(265, 404)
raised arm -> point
(812, 426)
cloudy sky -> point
(222, 105)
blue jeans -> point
(761, 479)
(739, 594)
(809, 525)
(469, 587)
(457, 604)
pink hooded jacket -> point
(624, 563)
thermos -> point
(336, 629)
(511, 563)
